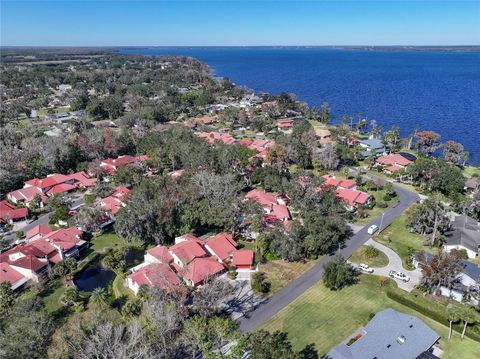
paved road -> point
(294, 289)
(42, 220)
(395, 263)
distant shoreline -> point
(393, 48)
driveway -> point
(297, 287)
(395, 263)
(78, 202)
(243, 301)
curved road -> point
(294, 289)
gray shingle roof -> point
(389, 335)
(465, 232)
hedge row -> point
(438, 317)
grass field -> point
(376, 211)
(469, 171)
(400, 239)
(359, 257)
(326, 318)
(107, 240)
(279, 273)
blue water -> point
(439, 91)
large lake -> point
(430, 90)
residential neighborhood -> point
(184, 216)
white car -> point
(399, 275)
(364, 267)
(372, 229)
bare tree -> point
(327, 156)
(442, 270)
(211, 296)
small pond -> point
(93, 277)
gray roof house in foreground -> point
(389, 335)
(465, 234)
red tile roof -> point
(156, 274)
(8, 274)
(262, 198)
(211, 137)
(201, 268)
(41, 229)
(280, 211)
(49, 181)
(83, 179)
(9, 211)
(394, 168)
(111, 164)
(338, 183)
(61, 188)
(352, 197)
(393, 159)
(64, 238)
(161, 253)
(222, 245)
(26, 194)
(286, 123)
(187, 251)
(243, 258)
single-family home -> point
(200, 269)
(112, 204)
(464, 234)
(466, 282)
(371, 147)
(393, 162)
(273, 204)
(389, 334)
(26, 195)
(285, 124)
(472, 184)
(38, 232)
(353, 198)
(8, 274)
(221, 246)
(110, 165)
(10, 214)
(331, 180)
(160, 275)
(211, 137)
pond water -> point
(94, 277)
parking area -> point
(395, 263)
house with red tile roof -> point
(332, 181)
(285, 124)
(8, 274)
(243, 259)
(159, 275)
(200, 269)
(26, 195)
(81, 179)
(110, 165)
(393, 162)
(211, 137)
(38, 232)
(47, 183)
(9, 214)
(185, 252)
(221, 246)
(352, 198)
(158, 254)
(112, 204)
(27, 260)
(273, 205)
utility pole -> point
(381, 223)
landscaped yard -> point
(376, 211)
(469, 171)
(361, 256)
(52, 293)
(279, 273)
(400, 239)
(107, 240)
(326, 318)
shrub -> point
(20, 234)
(386, 197)
(429, 312)
(382, 204)
(370, 252)
(259, 283)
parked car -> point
(399, 275)
(364, 267)
(372, 229)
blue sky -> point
(163, 23)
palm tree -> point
(70, 296)
(453, 316)
(468, 315)
(98, 296)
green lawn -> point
(359, 257)
(469, 171)
(107, 240)
(326, 318)
(52, 293)
(400, 239)
(279, 272)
